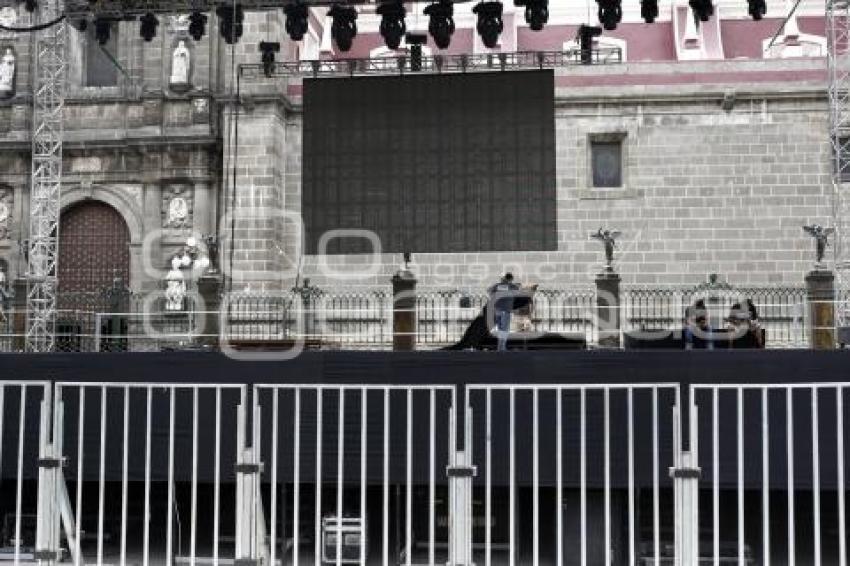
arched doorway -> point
(93, 273)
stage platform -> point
(456, 368)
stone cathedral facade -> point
(720, 134)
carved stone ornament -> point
(177, 207)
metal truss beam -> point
(433, 65)
(838, 61)
(121, 9)
(46, 180)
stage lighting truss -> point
(401, 65)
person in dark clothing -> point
(697, 328)
(502, 299)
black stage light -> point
(585, 42)
(268, 49)
(757, 9)
(80, 25)
(536, 13)
(649, 10)
(102, 28)
(392, 27)
(296, 20)
(147, 27)
(703, 9)
(230, 22)
(30, 5)
(490, 23)
(343, 25)
(610, 13)
(441, 23)
(197, 25)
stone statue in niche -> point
(175, 287)
(5, 212)
(177, 207)
(7, 74)
(181, 67)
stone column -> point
(209, 290)
(203, 222)
(820, 293)
(404, 311)
(19, 316)
(608, 309)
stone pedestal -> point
(404, 311)
(820, 294)
(209, 288)
(608, 309)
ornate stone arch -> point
(122, 199)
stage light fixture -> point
(343, 25)
(392, 27)
(536, 12)
(610, 13)
(102, 30)
(30, 6)
(585, 42)
(268, 49)
(649, 10)
(415, 41)
(490, 24)
(757, 9)
(296, 20)
(441, 23)
(147, 27)
(230, 22)
(197, 25)
(703, 9)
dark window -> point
(842, 159)
(101, 70)
(607, 163)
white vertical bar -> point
(583, 482)
(193, 537)
(317, 527)
(101, 477)
(170, 508)
(512, 485)
(363, 479)
(273, 521)
(631, 440)
(432, 495)
(842, 520)
(385, 512)
(789, 422)
(535, 468)
(217, 475)
(124, 477)
(340, 452)
(147, 518)
(816, 474)
(715, 476)
(559, 479)
(488, 509)
(78, 559)
(765, 480)
(656, 504)
(19, 485)
(296, 479)
(607, 411)
(408, 504)
(740, 447)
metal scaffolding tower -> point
(48, 104)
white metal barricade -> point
(544, 447)
(137, 455)
(773, 485)
(362, 468)
(24, 424)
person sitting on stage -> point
(502, 298)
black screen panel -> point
(431, 163)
